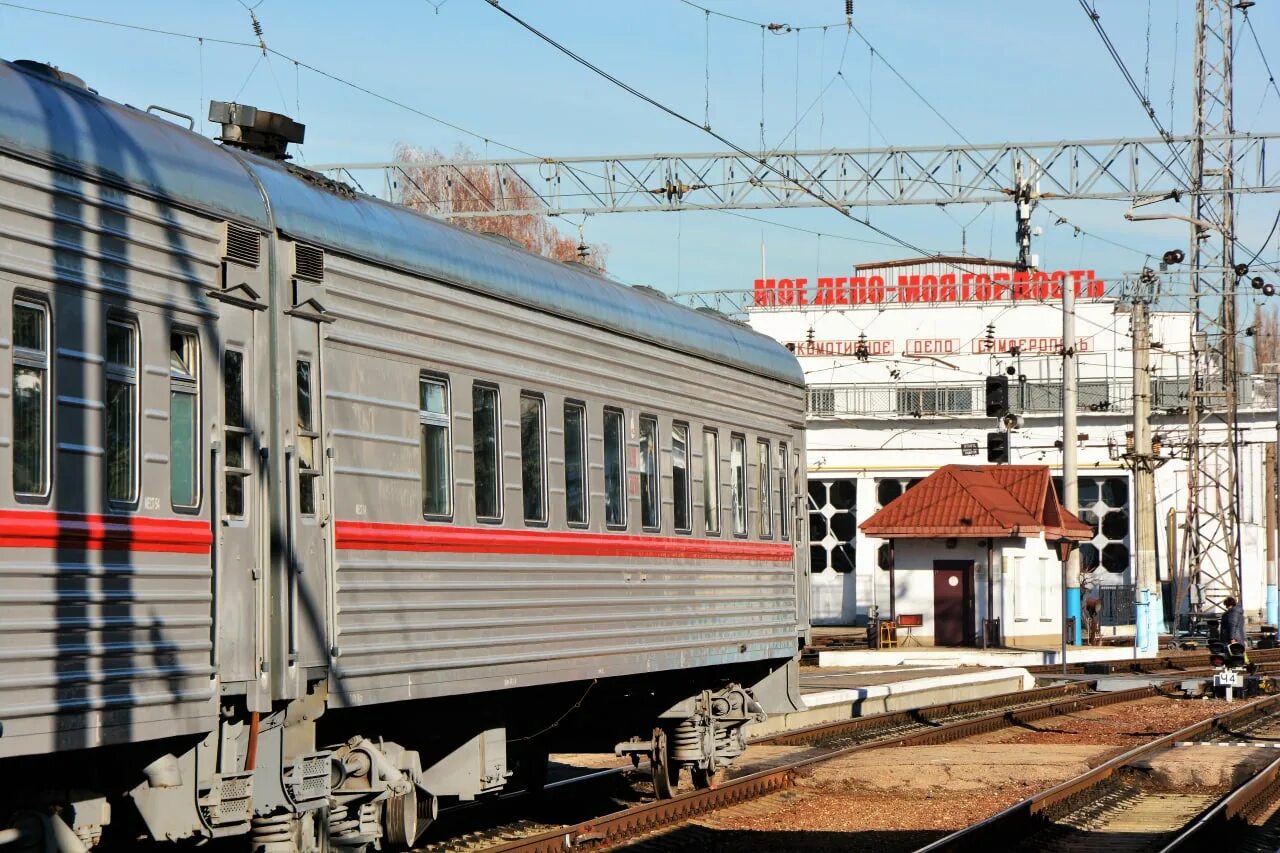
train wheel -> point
(705, 779)
(666, 778)
(400, 820)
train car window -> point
(484, 423)
(121, 414)
(30, 399)
(765, 469)
(650, 508)
(433, 420)
(533, 468)
(184, 385)
(680, 477)
(575, 463)
(615, 494)
(711, 481)
(307, 438)
(235, 432)
(784, 502)
(738, 483)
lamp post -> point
(1064, 547)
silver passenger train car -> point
(316, 513)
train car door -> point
(308, 506)
(241, 508)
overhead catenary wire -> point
(1262, 54)
(721, 138)
(759, 160)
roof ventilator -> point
(308, 262)
(243, 245)
(258, 131)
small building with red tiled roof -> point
(973, 554)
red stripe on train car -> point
(372, 536)
(34, 529)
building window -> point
(784, 498)
(533, 468)
(833, 525)
(235, 432)
(485, 448)
(184, 386)
(711, 481)
(575, 463)
(615, 494)
(738, 483)
(650, 508)
(765, 490)
(433, 438)
(30, 398)
(680, 477)
(121, 411)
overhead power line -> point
(1096, 19)
(1271, 78)
(270, 50)
(695, 124)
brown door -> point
(953, 602)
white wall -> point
(1027, 592)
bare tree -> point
(431, 188)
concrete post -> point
(1270, 479)
(1070, 492)
(1147, 608)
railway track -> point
(934, 725)
(1112, 807)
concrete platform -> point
(948, 656)
(842, 694)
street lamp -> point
(1064, 547)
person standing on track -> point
(1233, 622)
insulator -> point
(848, 8)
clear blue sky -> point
(997, 69)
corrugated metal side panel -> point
(414, 624)
(99, 648)
(435, 624)
(105, 614)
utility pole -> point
(1148, 607)
(1211, 546)
(1269, 469)
(1070, 487)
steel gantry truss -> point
(1211, 541)
(853, 178)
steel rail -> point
(612, 829)
(1020, 819)
(1232, 814)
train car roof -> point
(71, 127)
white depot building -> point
(897, 356)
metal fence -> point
(942, 399)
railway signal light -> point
(998, 447)
(997, 396)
